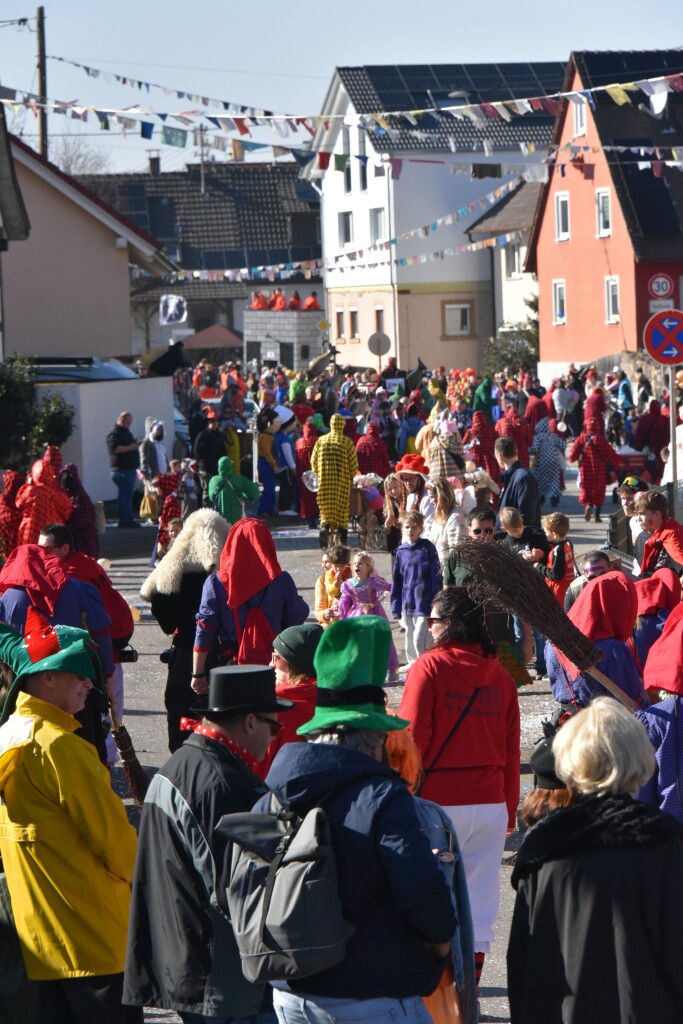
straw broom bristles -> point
(504, 579)
(135, 774)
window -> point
(513, 260)
(559, 303)
(376, 225)
(612, 300)
(561, 216)
(456, 319)
(339, 321)
(579, 118)
(379, 319)
(603, 212)
(345, 229)
(346, 150)
(363, 162)
(353, 315)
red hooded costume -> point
(302, 453)
(41, 503)
(594, 453)
(373, 454)
(10, 515)
(482, 437)
(521, 431)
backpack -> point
(255, 641)
(282, 894)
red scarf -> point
(192, 725)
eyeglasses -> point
(432, 619)
(476, 530)
(275, 726)
(591, 573)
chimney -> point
(154, 165)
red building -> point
(607, 239)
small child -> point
(339, 569)
(560, 566)
(362, 595)
(416, 581)
(528, 541)
(172, 533)
(664, 548)
(630, 488)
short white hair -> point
(603, 750)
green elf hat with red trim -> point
(45, 648)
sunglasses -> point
(431, 619)
(478, 529)
(275, 726)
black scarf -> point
(593, 823)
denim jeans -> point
(266, 505)
(125, 482)
(302, 1009)
(255, 1018)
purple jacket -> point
(281, 605)
(79, 604)
(664, 724)
(416, 579)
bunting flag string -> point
(283, 271)
(655, 89)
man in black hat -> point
(181, 952)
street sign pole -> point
(673, 454)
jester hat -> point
(45, 648)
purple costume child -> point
(364, 597)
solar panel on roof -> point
(651, 200)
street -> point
(298, 551)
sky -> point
(282, 56)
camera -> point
(167, 656)
(128, 654)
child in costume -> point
(362, 595)
(337, 574)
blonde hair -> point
(444, 498)
(394, 506)
(557, 523)
(603, 750)
(510, 516)
(364, 556)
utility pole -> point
(202, 129)
(42, 81)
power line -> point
(192, 67)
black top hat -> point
(239, 689)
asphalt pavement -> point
(297, 546)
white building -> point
(400, 178)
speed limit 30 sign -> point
(661, 286)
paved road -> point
(299, 554)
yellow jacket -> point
(66, 844)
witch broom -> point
(508, 583)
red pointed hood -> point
(606, 608)
(39, 572)
(248, 561)
(662, 591)
(664, 665)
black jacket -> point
(209, 447)
(390, 883)
(118, 438)
(520, 491)
(597, 929)
(181, 952)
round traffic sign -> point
(661, 286)
(379, 343)
(663, 337)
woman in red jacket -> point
(464, 716)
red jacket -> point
(480, 764)
(303, 695)
(669, 537)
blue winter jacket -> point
(649, 632)
(280, 601)
(416, 578)
(617, 664)
(520, 491)
(390, 883)
(664, 724)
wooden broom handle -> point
(615, 690)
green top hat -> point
(351, 665)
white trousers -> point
(117, 697)
(481, 829)
(416, 636)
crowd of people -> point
(277, 716)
